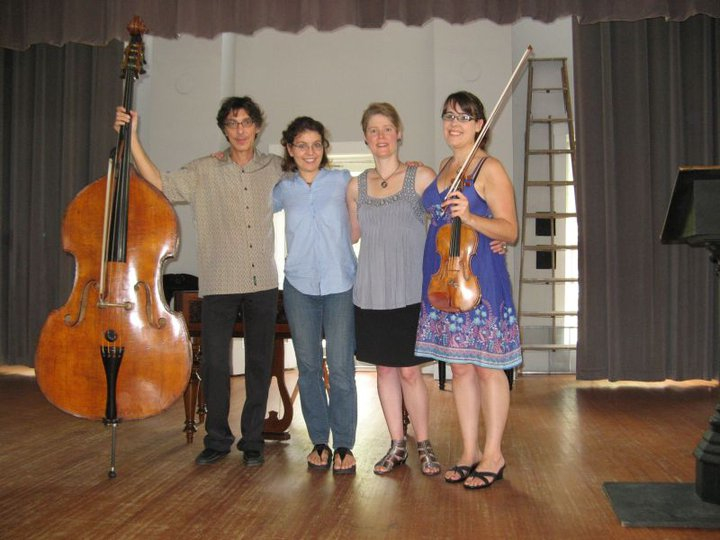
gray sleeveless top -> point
(389, 272)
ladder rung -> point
(538, 152)
(549, 183)
(548, 314)
(549, 247)
(544, 281)
(549, 347)
(548, 89)
(548, 59)
(550, 120)
(550, 215)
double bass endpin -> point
(111, 359)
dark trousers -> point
(219, 312)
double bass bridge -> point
(127, 305)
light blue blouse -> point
(320, 259)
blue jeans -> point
(332, 316)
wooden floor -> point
(564, 440)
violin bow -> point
(490, 120)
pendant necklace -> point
(384, 181)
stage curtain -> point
(97, 22)
(647, 101)
(56, 105)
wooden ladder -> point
(548, 263)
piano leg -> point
(193, 393)
(276, 427)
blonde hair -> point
(386, 110)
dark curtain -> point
(648, 101)
(57, 106)
(25, 22)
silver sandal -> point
(429, 464)
(397, 455)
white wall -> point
(332, 76)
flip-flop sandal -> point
(343, 452)
(319, 449)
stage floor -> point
(564, 440)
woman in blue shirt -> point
(317, 291)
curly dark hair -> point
(234, 103)
(468, 103)
(295, 128)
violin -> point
(114, 351)
(454, 287)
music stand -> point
(693, 218)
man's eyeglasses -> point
(463, 118)
(232, 124)
(304, 147)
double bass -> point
(454, 287)
(115, 351)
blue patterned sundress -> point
(488, 335)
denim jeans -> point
(219, 312)
(311, 317)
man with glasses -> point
(231, 199)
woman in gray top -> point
(385, 209)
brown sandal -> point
(429, 464)
(397, 455)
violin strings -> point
(455, 238)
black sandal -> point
(463, 471)
(488, 478)
(319, 449)
(343, 453)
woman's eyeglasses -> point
(304, 147)
(462, 118)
